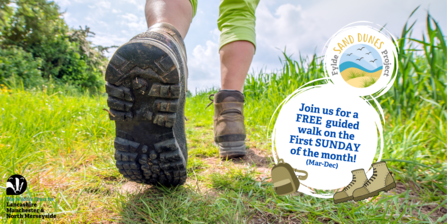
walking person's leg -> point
(237, 47)
(146, 86)
(178, 13)
(235, 60)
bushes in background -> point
(18, 65)
(35, 32)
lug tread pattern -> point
(165, 146)
(119, 92)
(164, 119)
(117, 104)
(166, 105)
(125, 145)
(164, 166)
(120, 116)
(120, 100)
(165, 91)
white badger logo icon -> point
(17, 188)
(16, 184)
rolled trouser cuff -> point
(237, 33)
(237, 21)
(194, 7)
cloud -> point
(107, 40)
(215, 34)
(287, 27)
(134, 22)
(290, 26)
(103, 4)
(204, 67)
(99, 9)
(63, 3)
(68, 17)
(131, 17)
(102, 23)
(140, 4)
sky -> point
(362, 57)
(300, 27)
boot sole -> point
(375, 193)
(146, 96)
(232, 149)
(343, 200)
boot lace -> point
(212, 100)
(371, 179)
(350, 184)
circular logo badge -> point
(16, 185)
(361, 60)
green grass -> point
(62, 142)
(369, 82)
(353, 75)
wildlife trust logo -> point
(23, 207)
(362, 59)
(16, 185)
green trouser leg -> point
(236, 20)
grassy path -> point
(62, 144)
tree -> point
(38, 27)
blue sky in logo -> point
(363, 55)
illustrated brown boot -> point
(358, 180)
(229, 128)
(146, 85)
(381, 180)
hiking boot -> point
(229, 128)
(146, 85)
(381, 180)
(358, 179)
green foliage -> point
(354, 75)
(422, 72)
(369, 82)
(33, 22)
(18, 66)
(66, 55)
(5, 14)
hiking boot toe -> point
(341, 197)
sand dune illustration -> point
(362, 82)
(361, 66)
(359, 78)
